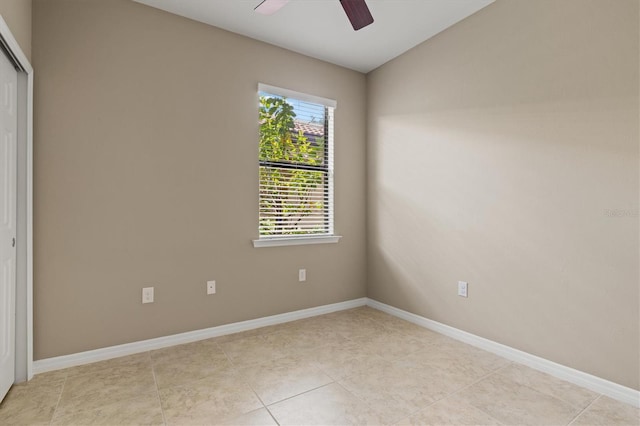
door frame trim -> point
(24, 322)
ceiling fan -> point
(356, 10)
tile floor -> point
(359, 366)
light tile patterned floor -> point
(359, 367)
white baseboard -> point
(72, 360)
(580, 378)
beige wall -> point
(146, 174)
(496, 151)
(17, 15)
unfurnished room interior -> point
(319, 212)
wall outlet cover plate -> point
(462, 288)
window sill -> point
(296, 241)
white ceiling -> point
(320, 28)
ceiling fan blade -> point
(269, 7)
(357, 12)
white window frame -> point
(305, 239)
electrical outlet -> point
(302, 275)
(211, 287)
(462, 288)
(147, 295)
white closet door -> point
(8, 129)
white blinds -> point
(295, 164)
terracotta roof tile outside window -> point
(311, 129)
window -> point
(296, 168)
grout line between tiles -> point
(250, 364)
(365, 403)
(585, 409)
(449, 395)
(219, 346)
(248, 384)
(561, 399)
(53, 415)
(493, 372)
(486, 376)
(155, 380)
(261, 401)
(496, 372)
(235, 368)
(272, 416)
(301, 393)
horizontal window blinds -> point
(295, 164)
